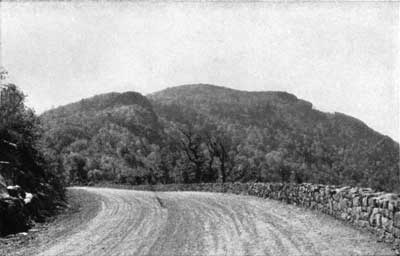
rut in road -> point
(197, 223)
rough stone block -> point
(357, 212)
(378, 220)
(372, 202)
(391, 206)
(387, 224)
(365, 201)
(356, 201)
(362, 223)
(343, 203)
(396, 219)
(396, 232)
(364, 215)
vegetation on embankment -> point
(29, 186)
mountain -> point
(262, 109)
(207, 133)
(130, 110)
(95, 136)
(316, 146)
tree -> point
(276, 163)
(191, 143)
(75, 164)
(220, 145)
(22, 160)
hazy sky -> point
(342, 57)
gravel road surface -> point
(196, 223)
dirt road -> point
(193, 223)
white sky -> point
(339, 56)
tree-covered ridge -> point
(205, 133)
(257, 108)
(314, 146)
(103, 137)
(130, 110)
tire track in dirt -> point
(197, 223)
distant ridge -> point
(102, 101)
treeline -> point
(212, 134)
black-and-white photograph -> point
(199, 128)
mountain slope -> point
(317, 147)
(101, 136)
(206, 133)
(256, 108)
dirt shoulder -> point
(82, 206)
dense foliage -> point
(21, 161)
(108, 137)
(204, 133)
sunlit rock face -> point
(14, 205)
(3, 187)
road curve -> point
(197, 223)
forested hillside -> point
(107, 137)
(205, 133)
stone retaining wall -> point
(376, 211)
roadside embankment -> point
(19, 209)
(81, 208)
